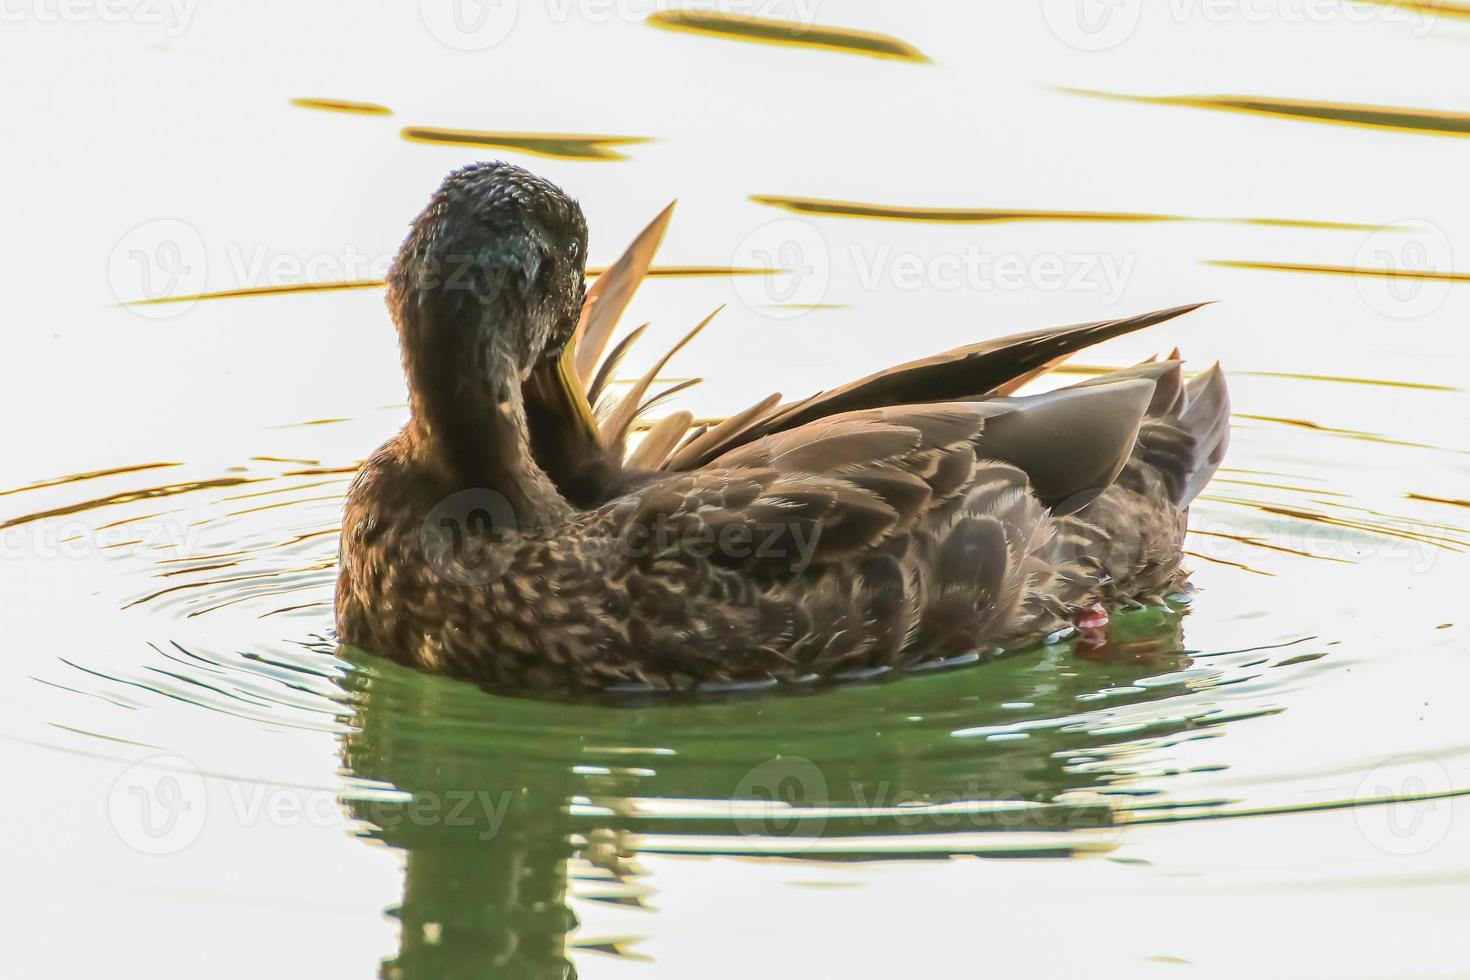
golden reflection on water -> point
(655, 272)
(1072, 367)
(81, 477)
(764, 30)
(246, 291)
(1435, 275)
(889, 212)
(1340, 113)
(1439, 500)
(1336, 379)
(1347, 433)
(343, 105)
(563, 146)
(1430, 8)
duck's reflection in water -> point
(491, 799)
(486, 845)
(497, 901)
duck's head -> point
(490, 278)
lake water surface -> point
(1270, 779)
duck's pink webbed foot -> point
(1092, 626)
(1094, 617)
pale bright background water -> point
(197, 784)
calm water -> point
(1270, 779)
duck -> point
(923, 516)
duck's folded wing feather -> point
(837, 488)
(1168, 383)
(1206, 416)
(1073, 442)
(1186, 429)
(609, 296)
(971, 372)
(560, 392)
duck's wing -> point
(971, 372)
(566, 395)
(837, 488)
(609, 296)
(632, 405)
(1184, 440)
(560, 393)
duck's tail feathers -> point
(1186, 428)
(1206, 417)
(976, 371)
(1168, 380)
(971, 372)
(1073, 442)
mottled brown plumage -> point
(917, 515)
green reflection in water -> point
(492, 797)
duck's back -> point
(867, 540)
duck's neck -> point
(468, 425)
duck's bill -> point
(564, 435)
(555, 394)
